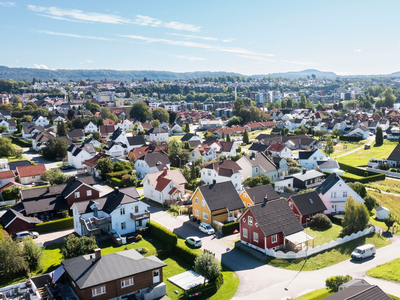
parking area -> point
(53, 237)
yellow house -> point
(257, 195)
(218, 202)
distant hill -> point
(101, 74)
(301, 74)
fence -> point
(319, 248)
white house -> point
(91, 128)
(157, 134)
(135, 142)
(192, 137)
(382, 212)
(222, 171)
(31, 173)
(116, 149)
(280, 149)
(334, 192)
(205, 152)
(28, 130)
(10, 124)
(119, 212)
(77, 154)
(330, 166)
(124, 125)
(39, 140)
(310, 159)
(175, 128)
(362, 132)
(120, 136)
(151, 163)
(164, 186)
(6, 177)
(41, 121)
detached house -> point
(157, 134)
(258, 194)
(222, 171)
(151, 163)
(91, 127)
(41, 121)
(135, 142)
(306, 205)
(394, 157)
(334, 192)
(13, 221)
(39, 140)
(116, 149)
(90, 164)
(77, 154)
(106, 130)
(216, 203)
(6, 177)
(310, 159)
(10, 124)
(76, 135)
(167, 186)
(28, 130)
(30, 174)
(281, 150)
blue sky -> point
(248, 37)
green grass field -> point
(344, 147)
(362, 157)
(325, 236)
(392, 202)
(388, 271)
(387, 185)
(322, 294)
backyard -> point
(392, 202)
(343, 147)
(387, 185)
(322, 236)
(362, 157)
(388, 271)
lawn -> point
(324, 236)
(344, 147)
(14, 158)
(362, 157)
(322, 294)
(387, 185)
(175, 137)
(388, 271)
(392, 202)
(329, 257)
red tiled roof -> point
(7, 174)
(107, 122)
(276, 147)
(106, 129)
(32, 170)
(91, 162)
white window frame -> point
(274, 238)
(203, 203)
(77, 195)
(205, 216)
(126, 282)
(250, 220)
(123, 225)
(196, 212)
(196, 200)
(245, 235)
(101, 292)
(255, 237)
(122, 211)
(88, 193)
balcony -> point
(140, 216)
(101, 221)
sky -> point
(357, 37)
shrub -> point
(370, 202)
(186, 253)
(230, 228)
(139, 237)
(163, 234)
(118, 174)
(143, 250)
(336, 219)
(74, 246)
(116, 182)
(55, 225)
(321, 221)
(333, 283)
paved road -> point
(53, 237)
(258, 280)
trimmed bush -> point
(336, 219)
(321, 221)
(206, 292)
(20, 142)
(118, 174)
(163, 234)
(230, 228)
(186, 253)
(55, 225)
(115, 182)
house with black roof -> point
(306, 179)
(14, 221)
(394, 157)
(135, 142)
(151, 163)
(157, 134)
(121, 275)
(272, 225)
(76, 135)
(310, 159)
(77, 154)
(306, 205)
(359, 289)
(18, 163)
(115, 149)
(258, 194)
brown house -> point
(13, 221)
(121, 274)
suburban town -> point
(197, 185)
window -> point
(250, 221)
(89, 193)
(203, 202)
(77, 195)
(98, 290)
(255, 237)
(245, 232)
(344, 194)
(122, 210)
(126, 282)
(197, 213)
(136, 209)
(156, 276)
(291, 205)
(123, 225)
(274, 238)
(196, 200)
(205, 216)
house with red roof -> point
(166, 186)
(6, 177)
(90, 164)
(29, 174)
(106, 130)
(280, 149)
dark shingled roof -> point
(156, 159)
(221, 195)
(258, 147)
(224, 167)
(262, 161)
(395, 155)
(76, 133)
(87, 272)
(372, 292)
(308, 203)
(276, 216)
(45, 204)
(20, 163)
(157, 130)
(329, 164)
(258, 193)
(11, 214)
(307, 154)
(76, 149)
(187, 137)
(324, 187)
(136, 140)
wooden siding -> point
(83, 195)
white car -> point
(21, 235)
(206, 228)
(195, 241)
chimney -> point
(116, 190)
(265, 199)
(97, 253)
(48, 189)
(304, 171)
(165, 171)
(214, 181)
(253, 155)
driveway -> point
(53, 237)
(258, 279)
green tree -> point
(106, 113)
(320, 133)
(238, 106)
(104, 166)
(246, 137)
(359, 188)
(356, 217)
(155, 123)
(370, 202)
(161, 114)
(55, 149)
(333, 283)
(186, 127)
(234, 121)
(293, 170)
(207, 266)
(54, 176)
(11, 193)
(74, 246)
(379, 137)
(3, 129)
(328, 146)
(389, 221)
(258, 180)
(7, 149)
(177, 154)
(389, 98)
(32, 253)
(11, 257)
(336, 133)
(61, 129)
(122, 166)
(140, 111)
(255, 114)
(228, 138)
(78, 123)
(128, 180)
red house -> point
(13, 221)
(271, 225)
(306, 205)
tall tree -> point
(207, 266)
(328, 146)
(74, 246)
(187, 127)
(104, 165)
(379, 137)
(389, 98)
(11, 257)
(141, 112)
(356, 217)
(245, 137)
(32, 253)
(161, 114)
(55, 149)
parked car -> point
(42, 182)
(363, 251)
(21, 235)
(195, 241)
(206, 228)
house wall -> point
(198, 209)
(130, 225)
(247, 202)
(76, 161)
(5, 181)
(113, 288)
(220, 215)
(19, 225)
(244, 224)
(116, 151)
(294, 209)
(30, 179)
(83, 195)
(208, 176)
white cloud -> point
(17, 60)
(195, 45)
(8, 4)
(357, 50)
(76, 15)
(89, 61)
(191, 58)
(228, 40)
(41, 66)
(190, 37)
(78, 36)
(297, 62)
(257, 58)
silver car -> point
(194, 241)
(206, 228)
(23, 234)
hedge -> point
(365, 179)
(357, 171)
(230, 228)
(118, 174)
(115, 182)
(206, 291)
(186, 253)
(164, 234)
(20, 142)
(55, 225)
(350, 138)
